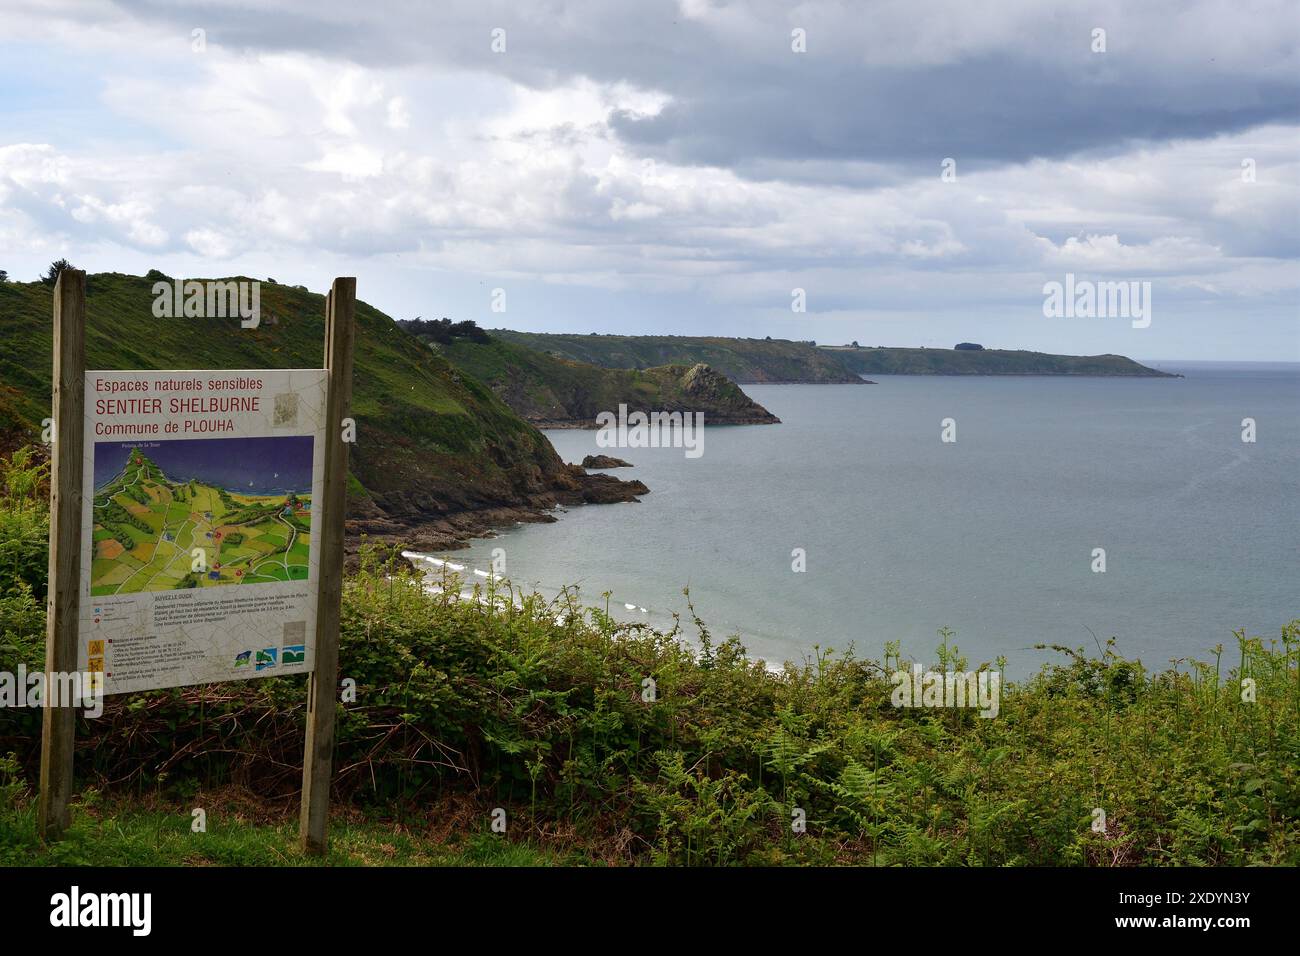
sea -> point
(1062, 511)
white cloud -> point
(290, 154)
(399, 116)
(209, 243)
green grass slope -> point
(887, 361)
(741, 360)
(780, 360)
(430, 438)
(546, 389)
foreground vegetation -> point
(127, 830)
(542, 710)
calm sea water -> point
(992, 536)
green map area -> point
(148, 530)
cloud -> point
(985, 83)
(654, 150)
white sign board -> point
(199, 561)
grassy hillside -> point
(546, 389)
(741, 360)
(430, 439)
(884, 361)
(779, 360)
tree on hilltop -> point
(55, 270)
(444, 331)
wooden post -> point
(322, 688)
(63, 605)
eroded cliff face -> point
(555, 392)
(424, 527)
(703, 385)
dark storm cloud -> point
(982, 112)
(1000, 83)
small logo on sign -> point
(286, 409)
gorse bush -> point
(542, 707)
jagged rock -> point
(604, 461)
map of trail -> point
(149, 528)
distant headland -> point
(776, 361)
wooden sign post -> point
(63, 602)
(322, 689)
(305, 490)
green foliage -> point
(778, 360)
(113, 516)
(701, 819)
(540, 707)
(24, 523)
(53, 272)
(130, 832)
(741, 360)
(136, 494)
(444, 331)
(24, 549)
(24, 478)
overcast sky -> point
(641, 166)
